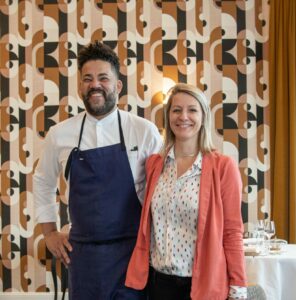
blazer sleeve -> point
(231, 193)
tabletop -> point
(276, 273)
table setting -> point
(260, 242)
(270, 261)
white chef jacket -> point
(141, 139)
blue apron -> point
(105, 214)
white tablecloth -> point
(275, 273)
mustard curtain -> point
(282, 82)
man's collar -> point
(110, 118)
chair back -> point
(255, 292)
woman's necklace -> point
(185, 155)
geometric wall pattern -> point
(219, 46)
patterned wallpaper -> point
(220, 46)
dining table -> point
(275, 272)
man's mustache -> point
(96, 90)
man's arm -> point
(46, 208)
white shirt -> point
(141, 139)
(174, 209)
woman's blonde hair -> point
(204, 141)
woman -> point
(189, 243)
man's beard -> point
(108, 106)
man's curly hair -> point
(98, 50)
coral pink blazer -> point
(219, 256)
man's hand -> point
(58, 244)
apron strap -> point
(120, 132)
(122, 143)
(68, 164)
(64, 279)
(54, 277)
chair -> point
(255, 292)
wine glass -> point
(269, 229)
(259, 228)
(259, 232)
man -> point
(103, 152)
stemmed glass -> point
(269, 229)
(259, 232)
(259, 228)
